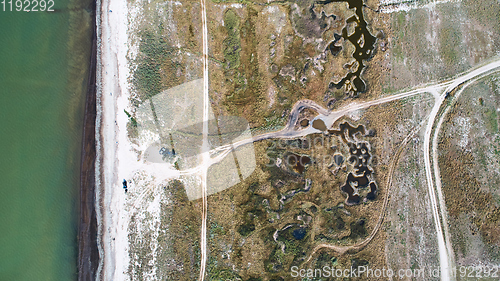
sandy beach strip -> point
(112, 145)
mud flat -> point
(88, 256)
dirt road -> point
(438, 91)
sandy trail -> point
(447, 260)
(359, 246)
(205, 156)
(116, 160)
(438, 91)
(446, 256)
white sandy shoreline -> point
(113, 147)
(116, 159)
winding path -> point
(446, 256)
(440, 92)
(205, 156)
(356, 247)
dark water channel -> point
(359, 158)
(363, 41)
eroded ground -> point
(264, 57)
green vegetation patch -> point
(450, 44)
(232, 44)
(492, 118)
(224, 275)
(484, 12)
(155, 65)
(243, 80)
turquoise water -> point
(42, 90)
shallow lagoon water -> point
(42, 89)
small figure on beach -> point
(125, 185)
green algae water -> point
(43, 73)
